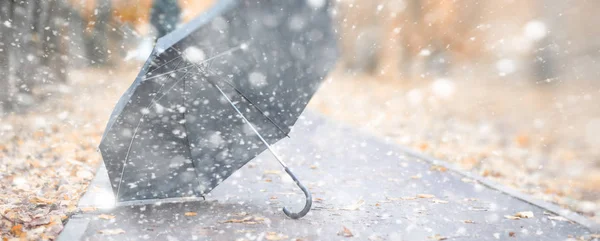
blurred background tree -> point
(398, 40)
(165, 16)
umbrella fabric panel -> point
(220, 141)
(282, 51)
(159, 162)
(144, 139)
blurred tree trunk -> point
(76, 31)
(97, 42)
(50, 32)
(547, 56)
(25, 49)
(165, 15)
(5, 32)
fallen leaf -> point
(520, 215)
(512, 234)
(438, 237)
(468, 221)
(106, 216)
(425, 196)
(438, 168)
(423, 146)
(525, 214)
(313, 167)
(558, 218)
(355, 206)
(245, 220)
(40, 201)
(273, 197)
(39, 221)
(190, 214)
(512, 217)
(345, 232)
(439, 201)
(418, 176)
(111, 231)
(17, 230)
(273, 236)
(88, 209)
(401, 198)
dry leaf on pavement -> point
(273, 236)
(111, 231)
(106, 216)
(40, 201)
(425, 196)
(438, 237)
(246, 220)
(520, 215)
(345, 232)
(559, 218)
(354, 206)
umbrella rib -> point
(193, 64)
(178, 57)
(160, 66)
(242, 94)
(249, 124)
(255, 106)
(305, 190)
(127, 157)
(154, 101)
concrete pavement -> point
(364, 189)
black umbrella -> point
(216, 93)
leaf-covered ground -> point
(48, 154)
(539, 138)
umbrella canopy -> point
(216, 93)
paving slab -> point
(364, 188)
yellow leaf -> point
(190, 214)
(438, 168)
(40, 201)
(425, 196)
(106, 216)
(246, 220)
(438, 237)
(273, 236)
(17, 230)
(88, 209)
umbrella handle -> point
(306, 193)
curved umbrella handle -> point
(306, 193)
